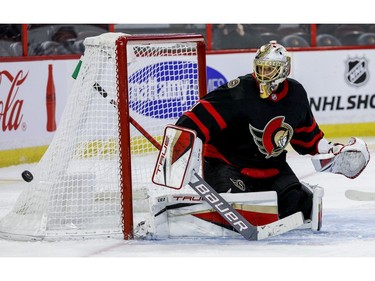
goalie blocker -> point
(179, 156)
(178, 164)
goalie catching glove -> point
(349, 160)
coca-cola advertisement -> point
(32, 97)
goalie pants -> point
(291, 196)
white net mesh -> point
(76, 186)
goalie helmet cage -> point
(128, 88)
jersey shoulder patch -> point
(233, 83)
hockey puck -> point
(27, 176)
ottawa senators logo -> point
(273, 139)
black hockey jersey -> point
(244, 130)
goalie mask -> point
(271, 67)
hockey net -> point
(128, 88)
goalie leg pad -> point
(189, 216)
(316, 219)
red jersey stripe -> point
(307, 144)
(211, 151)
(306, 129)
(208, 106)
(200, 125)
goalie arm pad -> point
(179, 157)
(349, 160)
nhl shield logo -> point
(356, 72)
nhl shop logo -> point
(356, 72)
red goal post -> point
(125, 118)
(128, 88)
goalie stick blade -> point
(357, 195)
(281, 226)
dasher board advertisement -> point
(339, 83)
(32, 97)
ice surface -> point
(348, 231)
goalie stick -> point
(357, 195)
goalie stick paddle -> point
(357, 195)
(235, 219)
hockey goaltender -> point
(241, 131)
